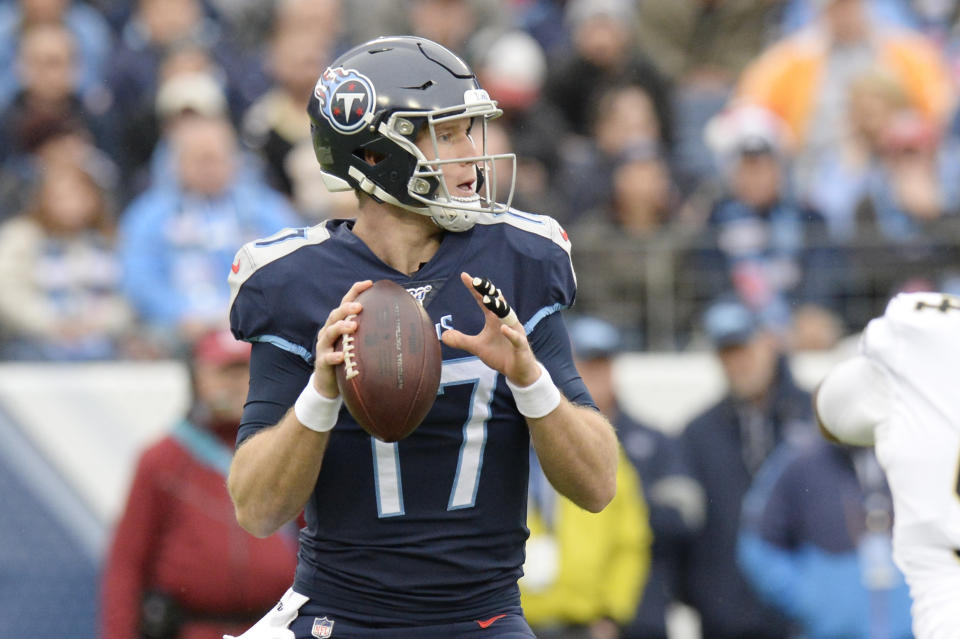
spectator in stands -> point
(770, 249)
(181, 95)
(815, 542)
(60, 293)
(603, 54)
(701, 46)
(616, 245)
(154, 30)
(839, 180)
(797, 14)
(179, 565)
(584, 572)
(805, 77)
(532, 187)
(246, 23)
(459, 25)
(698, 42)
(674, 500)
(46, 68)
(188, 81)
(724, 448)
(90, 33)
(623, 116)
(277, 126)
(178, 239)
(543, 19)
(151, 30)
(327, 20)
(912, 185)
(451, 23)
(512, 70)
(889, 194)
(46, 138)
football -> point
(391, 369)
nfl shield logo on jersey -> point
(322, 627)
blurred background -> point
(725, 169)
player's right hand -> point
(502, 344)
(339, 322)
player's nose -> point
(467, 149)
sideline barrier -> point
(90, 421)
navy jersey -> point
(430, 528)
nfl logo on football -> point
(322, 627)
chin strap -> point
(452, 219)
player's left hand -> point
(502, 344)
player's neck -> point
(402, 239)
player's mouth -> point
(466, 189)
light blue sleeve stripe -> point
(539, 315)
(283, 344)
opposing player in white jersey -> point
(901, 393)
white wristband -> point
(539, 398)
(316, 412)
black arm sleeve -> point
(551, 344)
(276, 379)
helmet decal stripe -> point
(347, 99)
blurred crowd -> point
(801, 155)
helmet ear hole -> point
(369, 156)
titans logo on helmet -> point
(347, 99)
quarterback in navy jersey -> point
(422, 537)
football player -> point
(423, 537)
(900, 395)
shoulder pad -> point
(258, 253)
(925, 325)
(542, 225)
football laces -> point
(349, 359)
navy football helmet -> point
(375, 100)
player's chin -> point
(465, 192)
(464, 202)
